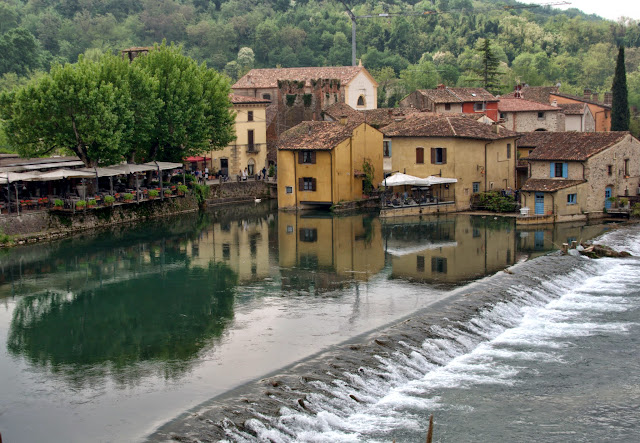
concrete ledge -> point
(418, 210)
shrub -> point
(201, 193)
(167, 192)
(81, 204)
(58, 203)
(127, 196)
(272, 171)
(495, 202)
(635, 210)
(183, 189)
(109, 200)
(153, 193)
(92, 202)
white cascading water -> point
(530, 326)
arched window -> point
(251, 167)
(361, 100)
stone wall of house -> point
(542, 169)
(241, 191)
(45, 225)
(529, 121)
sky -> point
(611, 9)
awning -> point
(130, 168)
(164, 166)
(196, 159)
(102, 172)
(59, 174)
(18, 176)
(400, 179)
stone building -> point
(578, 117)
(520, 115)
(574, 175)
(453, 100)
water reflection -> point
(319, 253)
(449, 249)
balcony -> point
(253, 148)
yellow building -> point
(323, 163)
(338, 250)
(249, 150)
(481, 157)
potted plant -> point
(109, 200)
(167, 192)
(128, 197)
(182, 189)
(81, 204)
(58, 204)
(623, 201)
(92, 203)
(153, 193)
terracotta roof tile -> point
(237, 99)
(511, 104)
(378, 118)
(458, 95)
(268, 78)
(538, 94)
(572, 146)
(315, 135)
(549, 184)
(533, 139)
(427, 124)
(572, 108)
(581, 99)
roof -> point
(533, 139)
(427, 124)
(378, 118)
(316, 135)
(512, 104)
(268, 78)
(581, 99)
(458, 95)
(572, 108)
(549, 184)
(538, 94)
(237, 99)
(573, 146)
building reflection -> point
(448, 249)
(319, 252)
(546, 238)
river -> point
(112, 336)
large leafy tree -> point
(620, 103)
(195, 113)
(71, 109)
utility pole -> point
(354, 17)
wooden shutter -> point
(301, 184)
(565, 170)
(444, 155)
(300, 157)
(419, 155)
(313, 157)
(433, 156)
(313, 184)
(553, 170)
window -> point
(266, 96)
(306, 184)
(249, 116)
(476, 187)
(226, 251)
(250, 141)
(572, 199)
(307, 157)
(540, 115)
(439, 264)
(476, 233)
(420, 263)
(559, 170)
(438, 156)
(503, 115)
(386, 148)
(508, 150)
(289, 229)
(361, 100)
(478, 107)
(309, 235)
(289, 190)
(419, 155)
(610, 169)
(447, 106)
(627, 171)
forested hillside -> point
(535, 46)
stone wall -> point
(46, 225)
(240, 191)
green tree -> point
(620, 104)
(195, 115)
(488, 71)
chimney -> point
(586, 94)
(554, 103)
(608, 98)
(594, 97)
(442, 86)
(343, 120)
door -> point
(539, 203)
(607, 196)
(224, 166)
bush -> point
(92, 202)
(109, 200)
(495, 202)
(201, 193)
(58, 203)
(183, 189)
(153, 193)
(81, 204)
(127, 196)
(272, 171)
(635, 210)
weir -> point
(383, 385)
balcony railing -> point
(252, 148)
